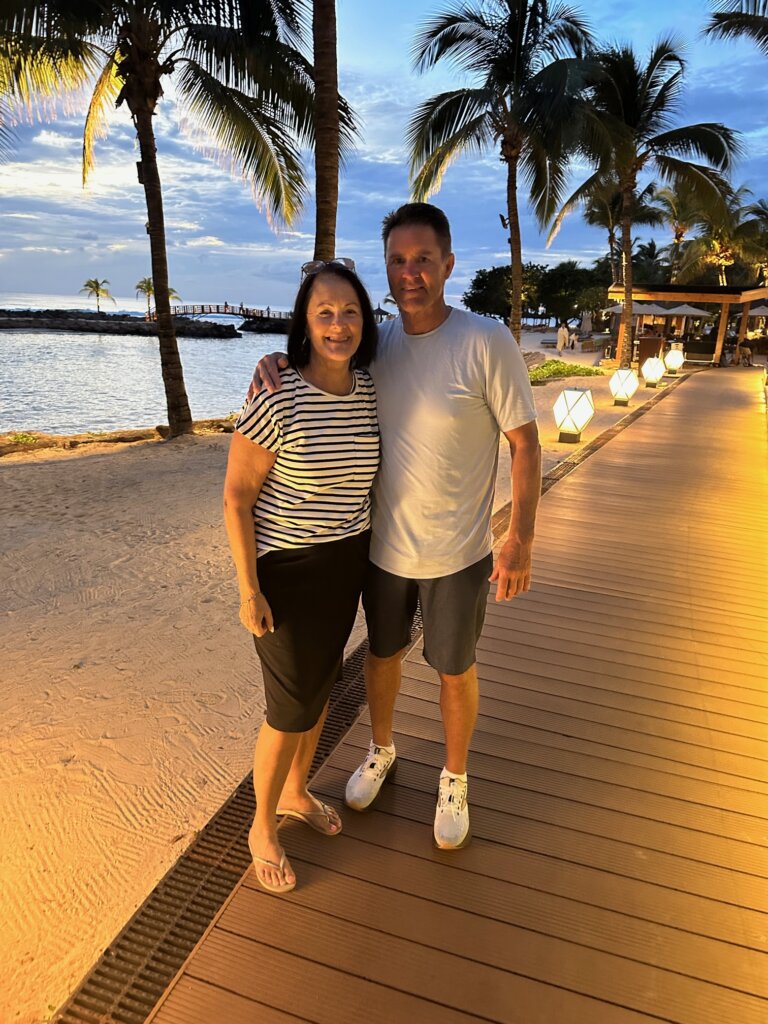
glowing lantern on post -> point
(573, 410)
(674, 359)
(652, 371)
(623, 385)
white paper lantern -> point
(674, 359)
(652, 371)
(573, 410)
(623, 385)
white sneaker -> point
(364, 785)
(452, 815)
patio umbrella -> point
(687, 310)
(586, 322)
(641, 309)
(759, 311)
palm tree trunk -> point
(98, 307)
(179, 415)
(326, 127)
(615, 268)
(624, 350)
(511, 155)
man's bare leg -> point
(382, 684)
(458, 704)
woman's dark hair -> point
(298, 343)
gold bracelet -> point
(251, 598)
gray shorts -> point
(452, 610)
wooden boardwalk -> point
(618, 780)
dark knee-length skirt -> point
(314, 594)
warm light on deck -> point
(652, 371)
(573, 410)
(674, 359)
(623, 385)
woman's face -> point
(334, 320)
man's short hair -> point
(418, 213)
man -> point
(447, 381)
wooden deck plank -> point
(530, 712)
(618, 779)
(194, 1000)
(489, 992)
(545, 860)
(506, 760)
(464, 915)
(523, 742)
(606, 818)
(627, 692)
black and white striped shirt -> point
(327, 455)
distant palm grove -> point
(535, 86)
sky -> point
(54, 234)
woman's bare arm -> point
(247, 469)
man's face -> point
(417, 269)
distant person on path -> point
(297, 510)
(562, 337)
(447, 382)
(574, 337)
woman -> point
(297, 511)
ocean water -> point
(67, 383)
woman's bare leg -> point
(295, 795)
(272, 760)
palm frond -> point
(578, 196)
(96, 126)
(702, 181)
(713, 142)
(465, 36)
(545, 175)
(441, 118)
(256, 137)
(747, 18)
(566, 33)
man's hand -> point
(267, 373)
(256, 615)
(512, 572)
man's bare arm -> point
(512, 572)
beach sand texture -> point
(130, 696)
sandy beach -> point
(131, 696)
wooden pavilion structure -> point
(726, 296)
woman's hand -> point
(256, 615)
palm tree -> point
(630, 131)
(602, 209)
(146, 287)
(735, 18)
(649, 264)
(523, 55)
(683, 208)
(732, 234)
(327, 134)
(235, 68)
(93, 286)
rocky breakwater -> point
(84, 322)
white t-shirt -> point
(442, 398)
(327, 447)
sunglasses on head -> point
(315, 266)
